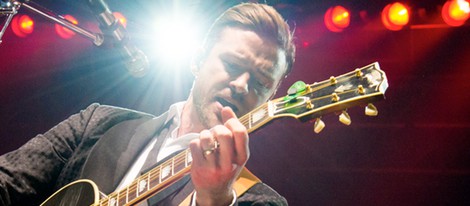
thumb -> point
(227, 113)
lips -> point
(226, 103)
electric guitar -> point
(303, 101)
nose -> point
(240, 84)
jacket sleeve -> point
(261, 195)
(28, 174)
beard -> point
(206, 116)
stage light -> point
(395, 16)
(63, 32)
(22, 25)
(455, 12)
(337, 18)
(176, 38)
(121, 18)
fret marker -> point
(165, 172)
(258, 115)
(142, 185)
(112, 202)
(189, 158)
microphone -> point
(136, 61)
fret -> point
(104, 201)
(148, 180)
(250, 119)
(112, 199)
(188, 158)
(173, 166)
(180, 163)
(159, 174)
(132, 194)
(122, 198)
(127, 194)
(137, 188)
(154, 177)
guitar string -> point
(178, 159)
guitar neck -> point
(357, 87)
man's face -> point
(241, 71)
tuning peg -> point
(318, 126)
(345, 118)
(358, 73)
(371, 110)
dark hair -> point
(260, 18)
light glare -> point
(177, 37)
(455, 12)
(22, 25)
(395, 16)
(337, 19)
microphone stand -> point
(11, 8)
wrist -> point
(229, 198)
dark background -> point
(415, 152)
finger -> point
(208, 145)
(227, 150)
(240, 135)
(227, 113)
(240, 140)
(199, 146)
(196, 153)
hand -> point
(214, 173)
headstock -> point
(305, 102)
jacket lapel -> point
(114, 153)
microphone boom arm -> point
(96, 38)
(10, 10)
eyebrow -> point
(233, 56)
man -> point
(246, 54)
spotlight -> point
(22, 25)
(395, 16)
(455, 12)
(176, 38)
(63, 32)
(337, 18)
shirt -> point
(171, 144)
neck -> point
(189, 120)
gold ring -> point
(212, 149)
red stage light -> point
(63, 32)
(337, 18)
(395, 16)
(22, 25)
(121, 18)
(455, 12)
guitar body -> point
(79, 193)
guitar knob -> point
(371, 110)
(345, 118)
(318, 126)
